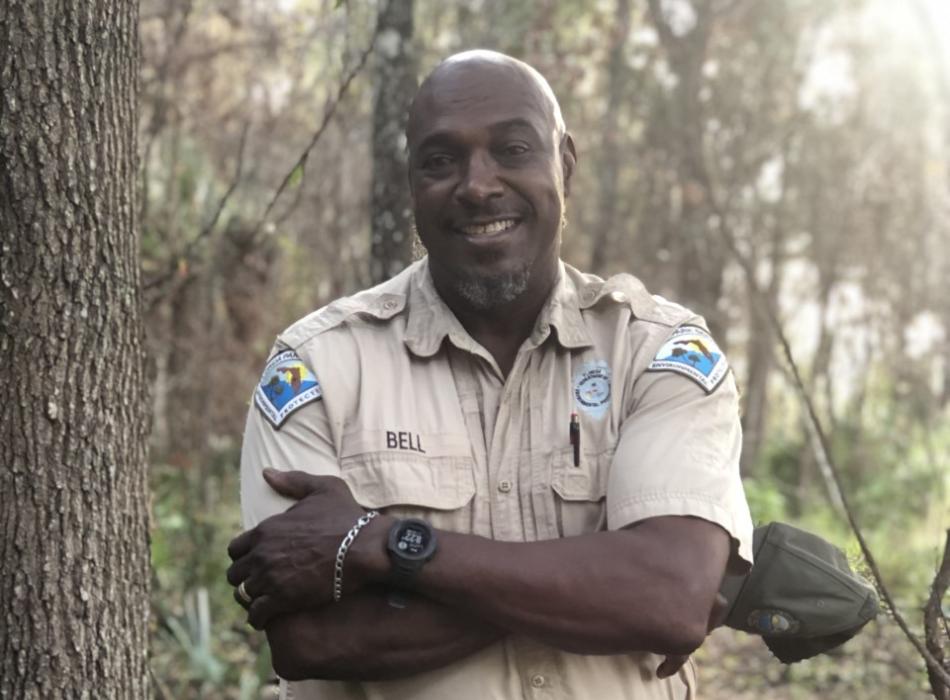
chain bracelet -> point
(344, 548)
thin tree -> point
(73, 422)
(394, 84)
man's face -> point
(488, 182)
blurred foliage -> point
(817, 134)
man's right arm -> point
(362, 637)
(366, 638)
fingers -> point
(261, 611)
(239, 571)
(294, 484)
(671, 665)
(253, 587)
(240, 545)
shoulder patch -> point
(691, 351)
(285, 386)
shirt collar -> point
(430, 320)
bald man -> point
(492, 476)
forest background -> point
(811, 136)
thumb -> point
(670, 665)
(292, 484)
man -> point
(568, 446)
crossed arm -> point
(652, 587)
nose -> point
(480, 182)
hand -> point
(286, 563)
(672, 664)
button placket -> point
(506, 514)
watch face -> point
(412, 540)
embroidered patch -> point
(592, 388)
(693, 352)
(772, 622)
(285, 386)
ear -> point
(568, 161)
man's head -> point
(490, 163)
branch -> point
(330, 110)
(934, 619)
(189, 253)
(936, 668)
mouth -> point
(487, 229)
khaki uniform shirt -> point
(418, 420)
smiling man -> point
(494, 476)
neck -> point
(501, 329)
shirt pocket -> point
(580, 492)
(428, 476)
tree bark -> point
(394, 79)
(73, 420)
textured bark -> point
(394, 81)
(73, 511)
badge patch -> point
(592, 388)
(692, 351)
(772, 622)
(285, 386)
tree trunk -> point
(609, 172)
(698, 256)
(394, 79)
(74, 549)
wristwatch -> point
(411, 544)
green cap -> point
(800, 596)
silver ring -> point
(243, 594)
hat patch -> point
(592, 388)
(772, 622)
(285, 386)
(692, 352)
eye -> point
(437, 161)
(516, 148)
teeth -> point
(485, 229)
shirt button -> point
(389, 305)
(504, 486)
(545, 327)
(537, 681)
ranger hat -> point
(800, 596)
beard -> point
(484, 293)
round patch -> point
(592, 388)
(772, 622)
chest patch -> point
(691, 351)
(285, 386)
(592, 388)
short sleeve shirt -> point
(419, 421)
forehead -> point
(463, 97)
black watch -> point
(411, 544)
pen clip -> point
(575, 435)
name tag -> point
(404, 440)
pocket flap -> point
(587, 482)
(382, 479)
